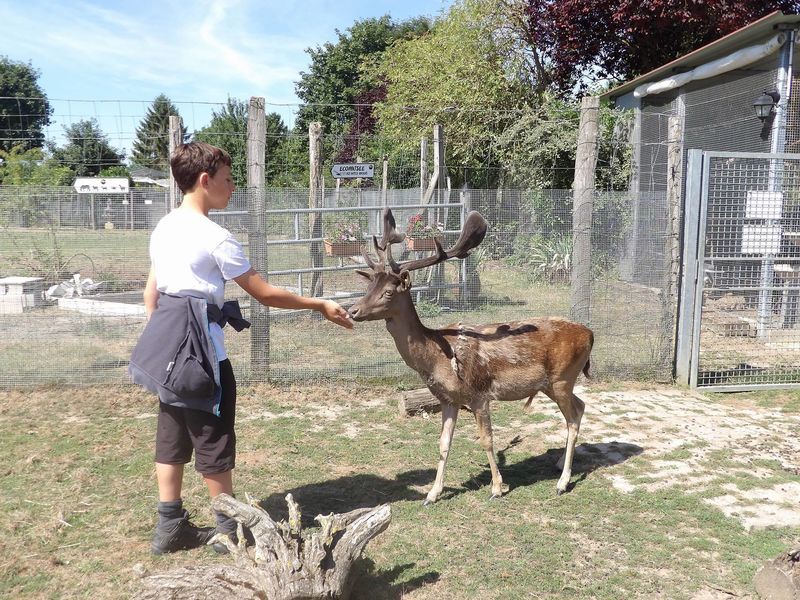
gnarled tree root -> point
(284, 565)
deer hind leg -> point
(572, 408)
(484, 422)
(449, 416)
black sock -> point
(225, 523)
(170, 511)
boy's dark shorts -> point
(181, 430)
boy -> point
(191, 259)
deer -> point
(469, 366)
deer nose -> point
(354, 312)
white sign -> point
(101, 185)
(353, 170)
(761, 239)
(763, 205)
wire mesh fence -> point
(749, 304)
(59, 327)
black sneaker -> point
(180, 534)
(221, 548)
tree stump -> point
(285, 564)
(779, 579)
(415, 402)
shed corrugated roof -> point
(741, 38)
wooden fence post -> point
(673, 241)
(385, 179)
(423, 168)
(257, 233)
(585, 163)
(315, 200)
(174, 141)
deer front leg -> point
(449, 416)
(572, 408)
(484, 422)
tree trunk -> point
(779, 579)
(285, 564)
(414, 402)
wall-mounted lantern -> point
(764, 103)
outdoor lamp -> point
(764, 103)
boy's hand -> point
(336, 314)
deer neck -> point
(413, 340)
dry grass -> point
(78, 492)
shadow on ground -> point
(370, 584)
(344, 494)
(588, 458)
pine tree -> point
(151, 147)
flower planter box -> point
(342, 248)
(421, 244)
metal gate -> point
(739, 314)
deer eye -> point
(387, 293)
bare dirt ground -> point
(686, 438)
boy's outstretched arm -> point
(269, 295)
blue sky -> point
(108, 60)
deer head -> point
(389, 281)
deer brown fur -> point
(472, 365)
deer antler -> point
(390, 233)
(471, 235)
(382, 249)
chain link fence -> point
(54, 240)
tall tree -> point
(228, 130)
(151, 146)
(334, 78)
(24, 108)
(32, 167)
(620, 39)
(461, 76)
(87, 151)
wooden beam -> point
(585, 163)
(315, 199)
(175, 140)
(257, 232)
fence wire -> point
(748, 333)
(83, 331)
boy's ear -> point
(405, 281)
(202, 179)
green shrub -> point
(548, 258)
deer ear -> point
(365, 274)
(405, 281)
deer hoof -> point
(560, 492)
(495, 497)
(427, 502)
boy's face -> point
(220, 187)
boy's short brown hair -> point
(190, 160)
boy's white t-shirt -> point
(193, 256)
